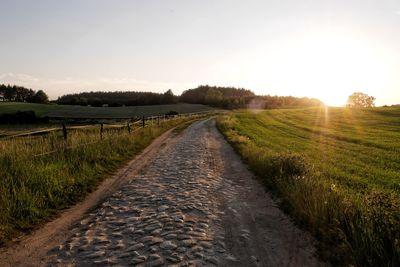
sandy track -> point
(195, 204)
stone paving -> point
(167, 216)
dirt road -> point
(195, 204)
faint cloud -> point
(397, 12)
(15, 78)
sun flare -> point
(326, 65)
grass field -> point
(33, 188)
(336, 170)
(66, 111)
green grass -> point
(336, 170)
(33, 188)
(67, 111)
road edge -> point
(30, 250)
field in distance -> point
(66, 111)
(336, 171)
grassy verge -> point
(336, 172)
(33, 188)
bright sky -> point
(316, 48)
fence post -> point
(65, 134)
(142, 121)
(101, 131)
(129, 128)
(158, 120)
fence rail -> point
(131, 128)
(129, 122)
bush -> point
(22, 117)
(171, 113)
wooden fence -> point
(142, 121)
(129, 126)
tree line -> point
(231, 98)
(223, 97)
(21, 94)
(268, 102)
(118, 99)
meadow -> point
(68, 111)
(41, 175)
(335, 170)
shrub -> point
(171, 113)
(21, 117)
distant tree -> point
(168, 97)
(360, 100)
(21, 94)
(96, 102)
(117, 98)
(213, 96)
(30, 95)
(2, 92)
(10, 93)
(40, 97)
(226, 97)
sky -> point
(315, 48)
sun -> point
(333, 100)
(336, 65)
(328, 65)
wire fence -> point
(150, 119)
(128, 128)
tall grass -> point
(355, 216)
(32, 188)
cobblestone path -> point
(192, 206)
